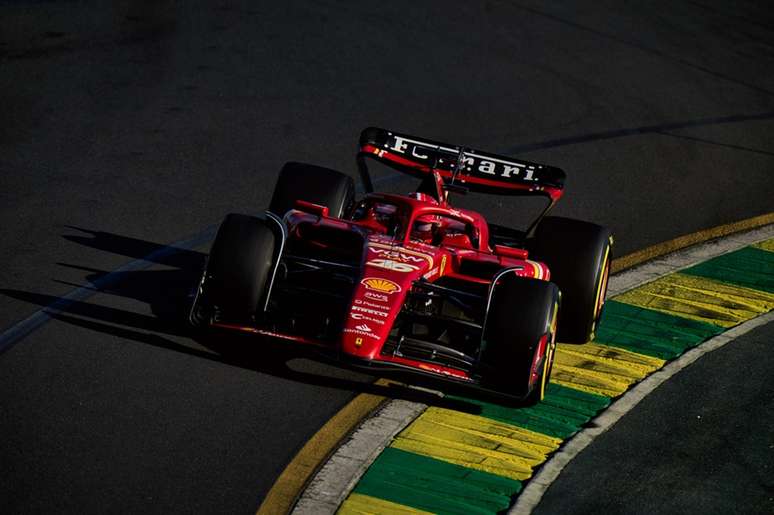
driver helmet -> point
(425, 228)
(384, 215)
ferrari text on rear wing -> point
(475, 170)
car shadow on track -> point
(167, 293)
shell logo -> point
(381, 285)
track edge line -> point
(293, 480)
(687, 240)
(533, 491)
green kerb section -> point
(650, 332)
(435, 486)
(748, 267)
(562, 413)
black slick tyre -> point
(578, 255)
(518, 340)
(240, 262)
(315, 184)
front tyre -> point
(578, 255)
(238, 270)
(519, 337)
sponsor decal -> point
(394, 266)
(363, 327)
(466, 161)
(402, 253)
(437, 270)
(361, 302)
(396, 255)
(417, 246)
(358, 342)
(371, 304)
(380, 285)
(375, 296)
(384, 241)
(359, 316)
(370, 311)
(360, 333)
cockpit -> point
(382, 216)
(427, 224)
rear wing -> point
(458, 166)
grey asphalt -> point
(127, 126)
(700, 443)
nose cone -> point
(388, 272)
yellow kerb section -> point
(701, 299)
(600, 369)
(663, 248)
(765, 245)
(476, 442)
(359, 504)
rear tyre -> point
(519, 337)
(240, 262)
(315, 184)
(578, 255)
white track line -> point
(343, 470)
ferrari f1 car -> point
(408, 283)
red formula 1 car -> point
(408, 283)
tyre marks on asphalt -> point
(453, 462)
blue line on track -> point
(33, 322)
(22, 329)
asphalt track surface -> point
(691, 446)
(128, 126)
